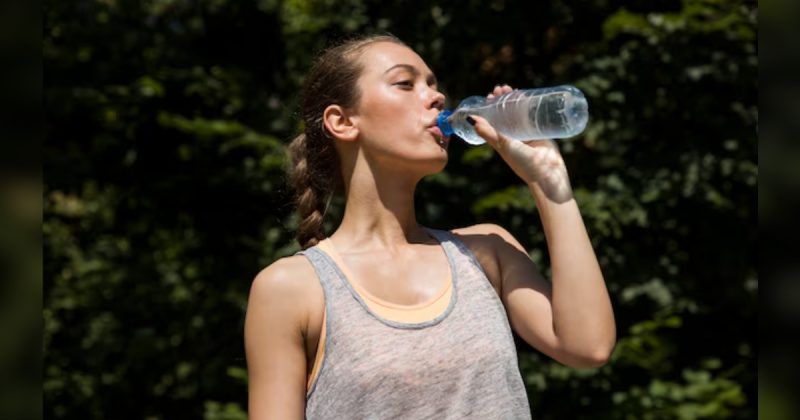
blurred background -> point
(164, 190)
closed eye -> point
(405, 84)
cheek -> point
(386, 114)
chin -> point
(420, 162)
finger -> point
(495, 92)
(486, 131)
(498, 90)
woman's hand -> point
(538, 163)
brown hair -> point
(314, 171)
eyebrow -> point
(431, 79)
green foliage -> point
(164, 193)
(515, 197)
(699, 397)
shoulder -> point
(487, 238)
(288, 285)
(494, 247)
(286, 276)
(484, 241)
(488, 235)
(485, 232)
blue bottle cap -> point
(443, 124)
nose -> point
(436, 99)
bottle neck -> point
(443, 123)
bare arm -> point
(572, 320)
(275, 344)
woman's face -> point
(397, 110)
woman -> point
(387, 318)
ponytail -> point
(313, 177)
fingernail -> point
(470, 120)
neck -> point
(380, 212)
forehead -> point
(381, 56)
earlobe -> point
(339, 124)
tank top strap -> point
(473, 279)
(317, 259)
(457, 250)
(338, 295)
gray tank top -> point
(461, 364)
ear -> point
(337, 121)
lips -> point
(440, 139)
(436, 132)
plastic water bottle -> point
(525, 114)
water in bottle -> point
(524, 114)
